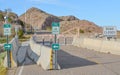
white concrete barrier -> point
(45, 57)
(40, 54)
(105, 46)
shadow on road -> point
(67, 60)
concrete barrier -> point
(105, 46)
(78, 42)
(42, 55)
(14, 50)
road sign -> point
(7, 46)
(7, 29)
(55, 46)
(55, 28)
(109, 31)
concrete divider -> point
(40, 54)
(14, 50)
(106, 46)
(78, 42)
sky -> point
(101, 12)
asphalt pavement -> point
(74, 61)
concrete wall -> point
(40, 54)
(14, 50)
(105, 46)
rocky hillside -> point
(68, 18)
(37, 18)
(83, 25)
(12, 19)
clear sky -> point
(101, 12)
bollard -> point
(43, 41)
(58, 41)
(65, 41)
(51, 42)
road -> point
(74, 61)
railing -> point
(49, 39)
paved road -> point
(74, 61)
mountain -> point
(38, 18)
(84, 26)
(12, 19)
(68, 18)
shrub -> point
(81, 31)
(1, 17)
(20, 33)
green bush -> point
(3, 70)
(49, 28)
(81, 31)
(2, 40)
(20, 33)
(1, 17)
(89, 31)
(10, 20)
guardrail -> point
(49, 39)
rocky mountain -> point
(84, 26)
(35, 17)
(68, 18)
(38, 18)
(12, 19)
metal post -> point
(8, 51)
(65, 41)
(43, 41)
(56, 53)
(8, 55)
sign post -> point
(55, 46)
(7, 32)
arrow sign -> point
(7, 46)
(55, 46)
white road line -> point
(20, 72)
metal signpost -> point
(7, 32)
(55, 46)
(110, 31)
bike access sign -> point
(7, 29)
(55, 31)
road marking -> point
(20, 72)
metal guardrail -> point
(49, 39)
